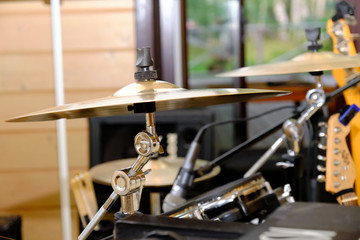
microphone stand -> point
(186, 174)
(316, 99)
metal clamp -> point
(128, 183)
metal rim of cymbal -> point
(164, 96)
(163, 170)
(306, 62)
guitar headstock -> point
(338, 29)
(343, 43)
(340, 168)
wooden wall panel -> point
(89, 29)
(99, 58)
(113, 31)
(102, 69)
(44, 224)
(82, 70)
(31, 189)
(39, 150)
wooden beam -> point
(147, 19)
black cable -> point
(338, 91)
(206, 126)
(208, 167)
(217, 161)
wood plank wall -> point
(99, 58)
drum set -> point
(243, 200)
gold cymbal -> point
(163, 170)
(159, 94)
(306, 62)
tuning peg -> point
(320, 178)
(321, 157)
(321, 146)
(354, 36)
(337, 130)
(320, 168)
(337, 141)
(336, 173)
(322, 124)
(336, 162)
(322, 135)
(284, 164)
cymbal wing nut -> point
(124, 185)
(316, 97)
(145, 144)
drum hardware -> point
(145, 96)
(315, 99)
(312, 107)
(163, 170)
(293, 163)
(307, 62)
(128, 183)
(185, 177)
(148, 96)
(311, 62)
(241, 200)
(151, 95)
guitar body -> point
(343, 44)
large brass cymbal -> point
(306, 62)
(158, 94)
(163, 170)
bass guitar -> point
(338, 29)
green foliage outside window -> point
(274, 31)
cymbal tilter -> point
(129, 182)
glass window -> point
(274, 31)
(212, 38)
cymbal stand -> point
(128, 182)
(293, 163)
(316, 99)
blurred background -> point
(191, 42)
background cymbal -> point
(163, 95)
(163, 170)
(306, 62)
